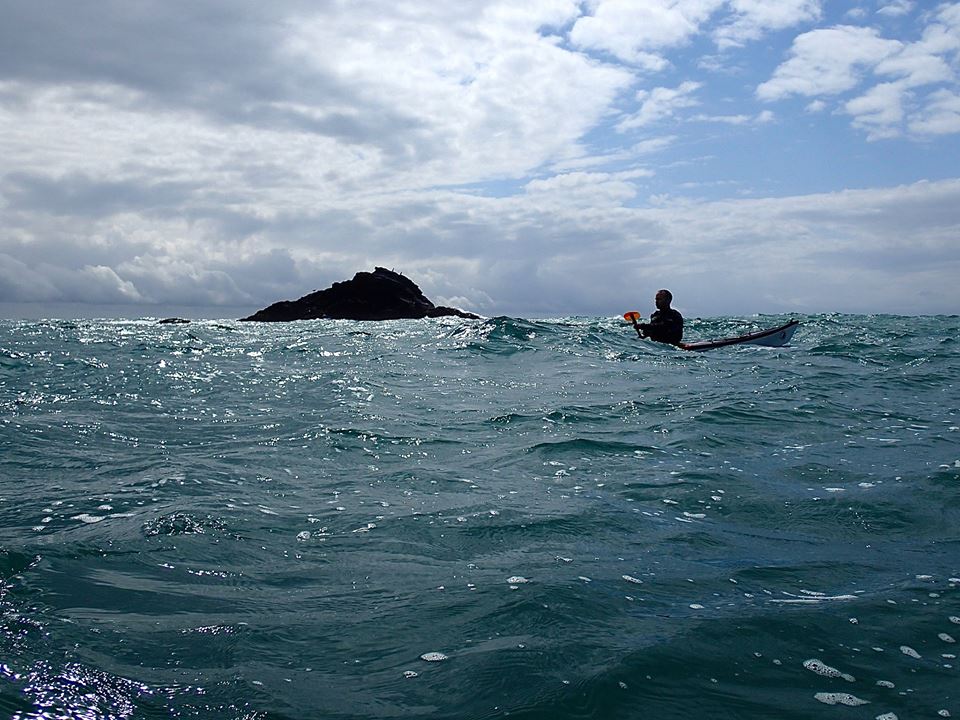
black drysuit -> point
(665, 326)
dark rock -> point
(380, 295)
(173, 321)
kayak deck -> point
(772, 337)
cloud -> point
(431, 94)
(659, 104)
(941, 116)
(20, 282)
(827, 62)
(899, 75)
(518, 158)
(897, 8)
(752, 19)
(760, 118)
(570, 244)
(589, 190)
(879, 111)
(634, 32)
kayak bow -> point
(772, 337)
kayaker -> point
(666, 324)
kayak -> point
(772, 337)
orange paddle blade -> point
(631, 316)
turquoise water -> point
(230, 520)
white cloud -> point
(477, 88)
(751, 19)
(879, 111)
(897, 8)
(836, 60)
(653, 145)
(583, 160)
(941, 116)
(101, 284)
(761, 118)
(661, 103)
(827, 62)
(920, 63)
(634, 31)
(640, 32)
(583, 189)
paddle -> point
(632, 317)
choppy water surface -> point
(469, 519)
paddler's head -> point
(663, 299)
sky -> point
(537, 159)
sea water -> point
(478, 519)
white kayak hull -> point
(772, 337)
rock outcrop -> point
(380, 295)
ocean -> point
(478, 519)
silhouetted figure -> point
(666, 324)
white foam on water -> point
(631, 579)
(813, 600)
(909, 651)
(410, 674)
(433, 657)
(517, 580)
(821, 668)
(88, 518)
(887, 716)
(954, 619)
(946, 638)
(943, 713)
(697, 516)
(303, 536)
(834, 698)
(696, 606)
(885, 684)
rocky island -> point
(380, 295)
